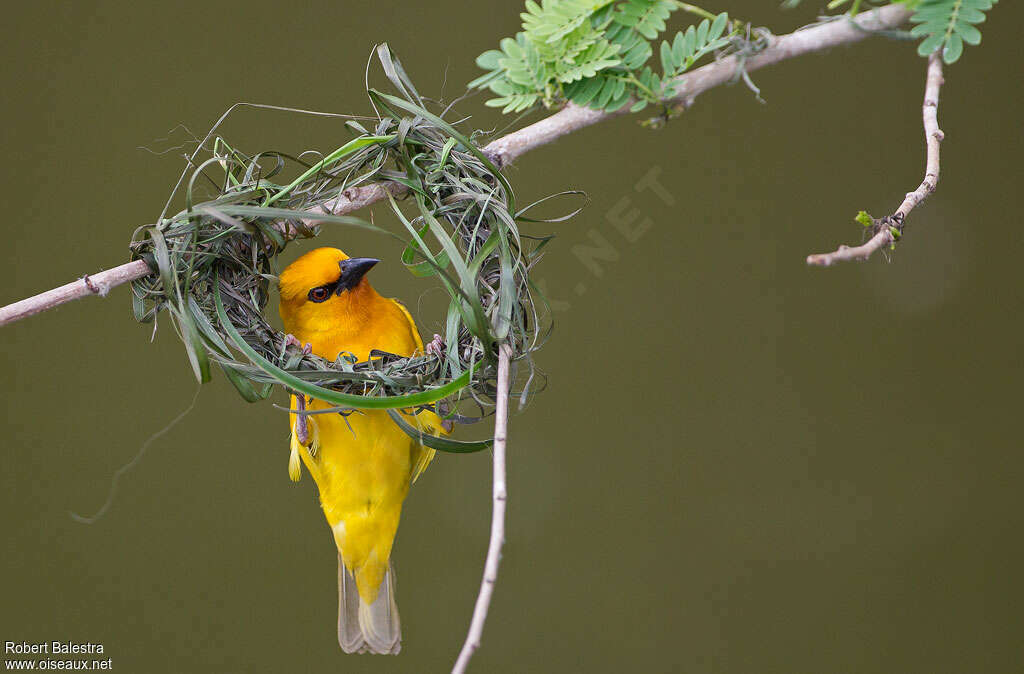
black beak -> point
(353, 270)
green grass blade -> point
(439, 443)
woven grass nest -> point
(215, 262)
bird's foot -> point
(301, 427)
(436, 347)
(292, 340)
(442, 410)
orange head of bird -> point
(324, 288)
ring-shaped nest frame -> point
(214, 262)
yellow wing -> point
(427, 421)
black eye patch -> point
(351, 271)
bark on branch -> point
(94, 284)
(507, 149)
(890, 228)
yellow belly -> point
(363, 470)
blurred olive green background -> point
(740, 464)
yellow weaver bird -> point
(362, 463)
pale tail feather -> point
(368, 628)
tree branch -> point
(95, 284)
(507, 149)
(823, 36)
(483, 599)
(889, 229)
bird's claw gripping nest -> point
(436, 347)
(292, 340)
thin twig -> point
(889, 229)
(507, 149)
(500, 495)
